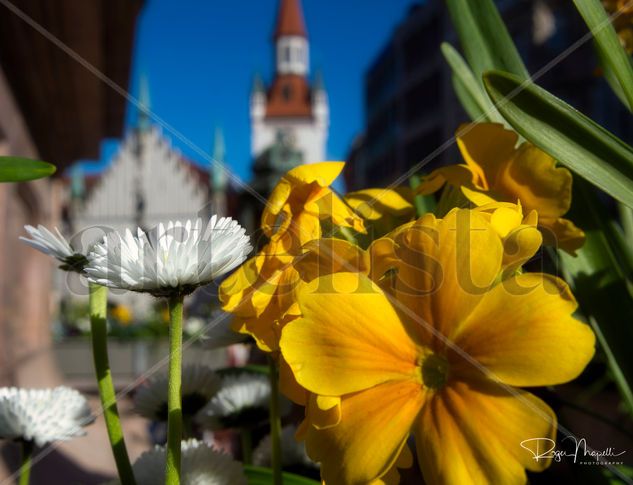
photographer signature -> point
(545, 448)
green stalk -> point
(275, 423)
(174, 398)
(97, 302)
(27, 457)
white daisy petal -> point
(48, 243)
(43, 415)
(173, 257)
(200, 465)
(242, 399)
(199, 384)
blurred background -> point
(157, 109)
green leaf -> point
(424, 204)
(598, 276)
(611, 79)
(469, 91)
(257, 475)
(614, 57)
(484, 38)
(567, 135)
(16, 169)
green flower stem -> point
(247, 445)
(98, 301)
(275, 423)
(27, 457)
(174, 398)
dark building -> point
(411, 111)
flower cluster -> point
(386, 326)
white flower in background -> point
(293, 453)
(218, 333)
(43, 415)
(200, 465)
(194, 325)
(171, 259)
(55, 245)
(199, 384)
(242, 400)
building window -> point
(286, 53)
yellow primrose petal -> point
(486, 147)
(533, 177)
(478, 198)
(521, 238)
(562, 233)
(392, 477)
(474, 435)
(323, 173)
(327, 256)
(456, 175)
(247, 291)
(296, 188)
(348, 339)
(523, 332)
(302, 228)
(504, 220)
(289, 386)
(325, 411)
(520, 245)
(447, 268)
(373, 204)
(372, 433)
(330, 205)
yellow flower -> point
(122, 313)
(519, 234)
(496, 171)
(260, 294)
(442, 355)
(382, 209)
(298, 203)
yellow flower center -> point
(434, 370)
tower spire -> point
(290, 20)
(291, 40)
(217, 173)
(144, 103)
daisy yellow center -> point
(434, 370)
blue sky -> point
(200, 57)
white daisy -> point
(199, 384)
(56, 246)
(242, 400)
(43, 415)
(200, 465)
(171, 259)
(293, 453)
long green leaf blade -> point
(611, 53)
(570, 137)
(483, 35)
(598, 276)
(469, 91)
(17, 169)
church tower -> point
(290, 113)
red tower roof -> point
(290, 19)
